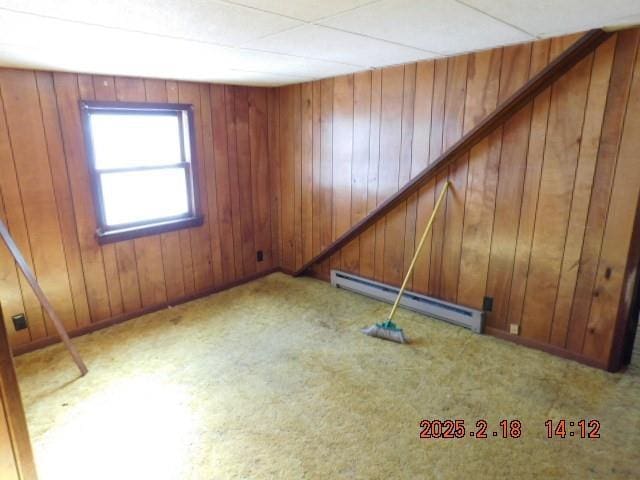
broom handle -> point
(415, 255)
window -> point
(141, 164)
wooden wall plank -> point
(33, 173)
(287, 172)
(207, 166)
(258, 135)
(615, 278)
(273, 96)
(297, 175)
(223, 186)
(342, 158)
(482, 98)
(156, 91)
(63, 198)
(104, 90)
(67, 93)
(514, 72)
(406, 165)
(245, 181)
(326, 168)
(566, 115)
(539, 119)
(12, 301)
(617, 100)
(360, 162)
(456, 196)
(200, 243)
(232, 156)
(307, 165)
(16, 456)
(590, 139)
(368, 238)
(422, 201)
(316, 160)
(435, 149)
(388, 180)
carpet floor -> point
(273, 379)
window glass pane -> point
(146, 195)
(134, 140)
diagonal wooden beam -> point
(44, 301)
(558, 67)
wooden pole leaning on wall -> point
(46, 305)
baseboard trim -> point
(503, 335)
(545, 347)
(45, 342)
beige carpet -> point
(273, 380)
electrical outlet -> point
(514, 329)
(19, 321)
(487, 304)
(259, 255)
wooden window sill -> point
(130, 233)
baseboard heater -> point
(449, 312)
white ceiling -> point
(262, 42)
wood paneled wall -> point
(46, 201)
(541, 213)
(16, 456)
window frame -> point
(193, 218)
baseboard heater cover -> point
(432, 307)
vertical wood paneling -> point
(617, 100)
(368, 238)
(66, 88)
(128, 90)
(535, 153)
(515, 133)
(12, 302)
(435, 150)
(45, 198)
(274, 172)
(223, 186)
(326, 166)
(149, 268)
(342, 155)
(482, 98)
(521, 201)
(307, 165)
(589, 142)
(244, 181)
(232, 156)
(360, 163)
(615, 278)
(422, 201)
(388, 180)
(62, 192)
(316, 160)
(454, 124)
(258, 139)
(566, 115)
(16, 456)
(33, 175)
(104, 90)
(287, 174)
(13, 216)
(200, 265)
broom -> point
(389, 330)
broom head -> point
(387, 331)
